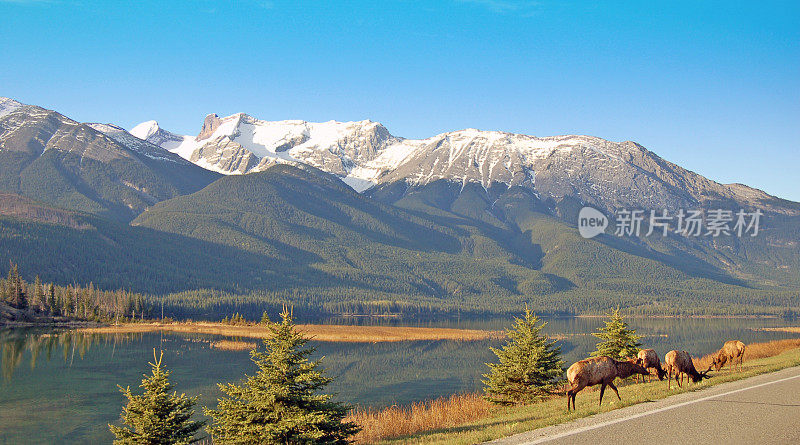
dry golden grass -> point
(336, 333)
(397, 421)
(232, 345)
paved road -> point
(760, 410)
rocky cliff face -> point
(210, 125)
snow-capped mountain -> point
(243, 144)
(364, 154)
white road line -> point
(647, 413)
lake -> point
(61, 387)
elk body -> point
(648, 359)
(681, 363)
(732, 351)
(599, 371)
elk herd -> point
(604, 370)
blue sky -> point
(712, 86)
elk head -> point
(660, 372)
(702, 375)
(719, 361)
(637, 368)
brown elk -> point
(649, 360)
(681, 363)
(732, 351)
(599, 370)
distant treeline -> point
(215, 305)
(698, 298)
(71, 301)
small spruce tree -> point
(156, 416)
(618, 341)
(529, 367)
(281, 403)
(265, 318)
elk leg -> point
(602, 390)
(611, 385)
(569, 397)
(669, 378)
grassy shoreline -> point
(791, 329)
(467, 418)
(327, 333)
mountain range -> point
(364, 154)
(337, 212)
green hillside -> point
(467, 253)
(301, 236)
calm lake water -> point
(61, 387)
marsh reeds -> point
(397, 421)
(334, 333)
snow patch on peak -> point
(145, 129)
(106, 128)
(8, 106)
(136, 143)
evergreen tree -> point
(8, 286)
(38, 295)
(281, 403)
(530, 364)
(156, 416)
(52, 301)
(618, 340)
(16, 288)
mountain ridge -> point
(97, 168)
(365, 155)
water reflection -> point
(16, 342)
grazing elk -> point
(732, 351)
(599, 370)
(649, 360)
(681, 363)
